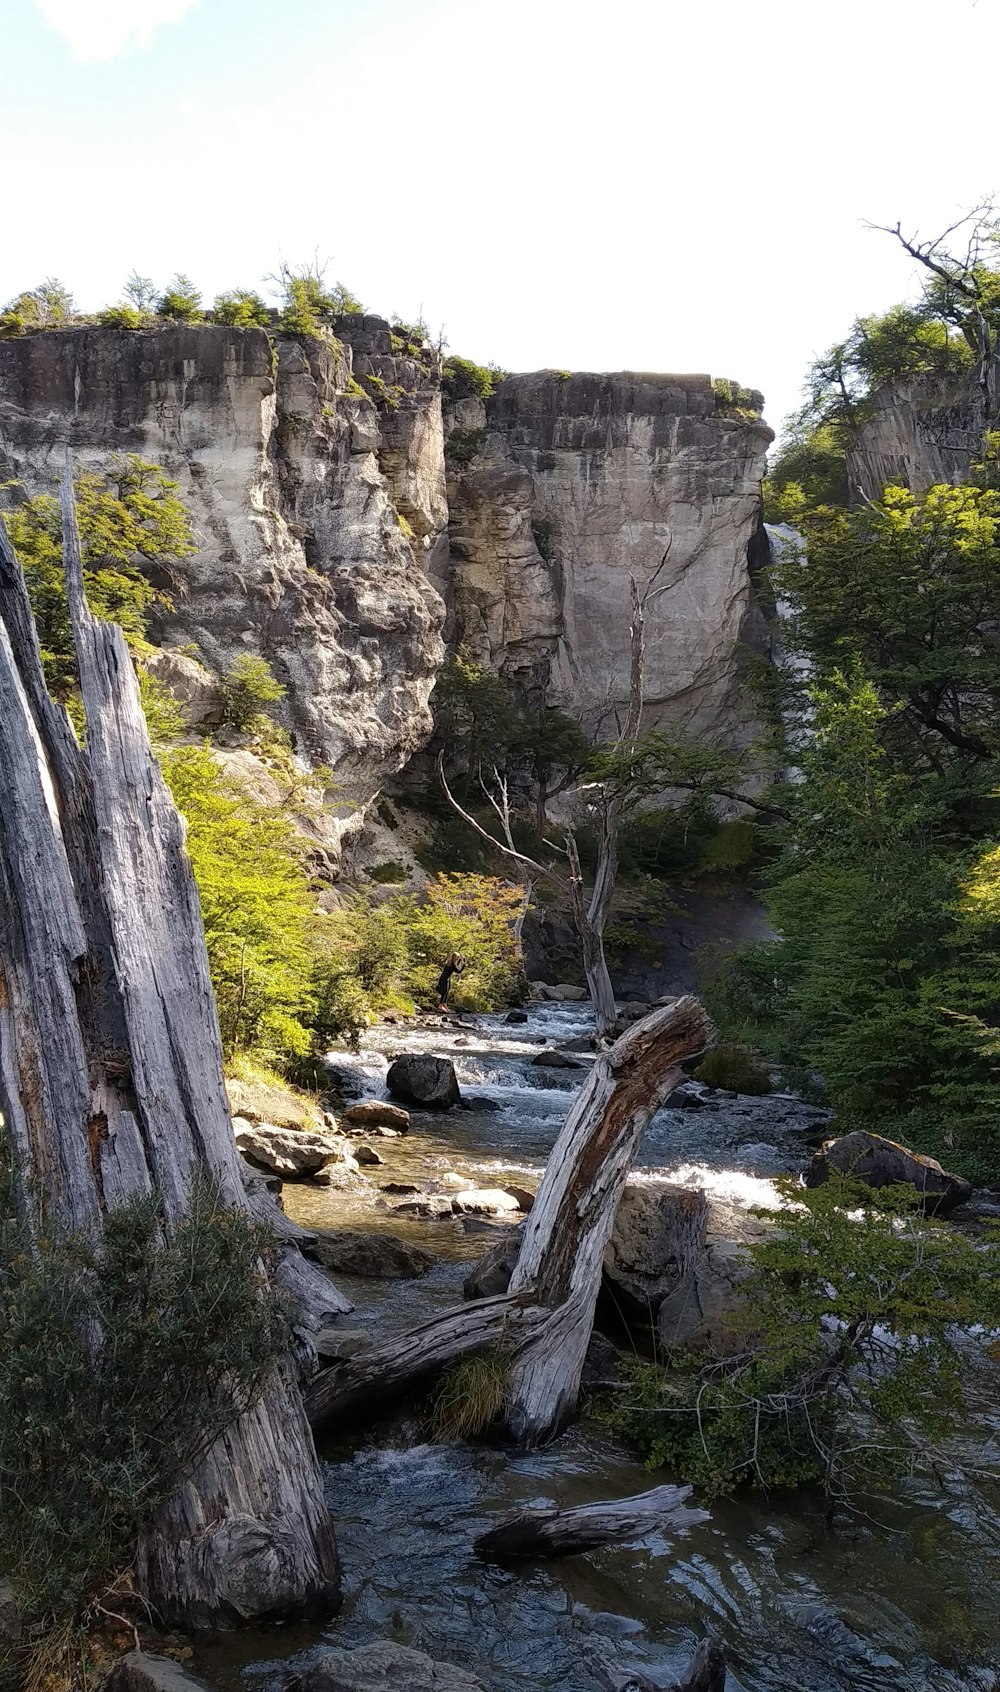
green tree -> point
(462, 379)
(241, 309)
(49, 306)
(247, 688)
(180, 301)
(256, 904)
(130, 521)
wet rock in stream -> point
(418, 1078)
(378, 1256)
(383, 1666)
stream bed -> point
(905, 1599)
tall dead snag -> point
(546, 1316)
(111, 1072)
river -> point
(901, 1599)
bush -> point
(855, 1354)
(241, 309)
(463, 445)
(246, 688)
(461, 379)
(49, 306)
(389, 873)
(122, 317)
(736, 1068)
(124, 1356)
(180, 302)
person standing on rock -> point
(454, 966)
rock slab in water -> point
(881, 1163)
(554, 1060)
(377, 1113)
(380, 1667)
(705, 1307)
(289, 1151)
(515, 1018)
(658, 1236)
(420, 1079)
(372, 1256)
(137, 1672)
(486, 1201)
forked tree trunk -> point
(545, 1318)
(111, 1072)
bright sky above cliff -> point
(649, 184)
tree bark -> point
(111, 1072)
(545, 1318)
(561, 1533)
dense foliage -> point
(130, 521)
(851, 1358)
(124, 1355)
(884, 991)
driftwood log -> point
(561, 1533)
(111, 1072)
(545, 1318)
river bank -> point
(795, 1609)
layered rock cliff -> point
(301, 555)
(575, 484)
(920, 431)
(335, 531)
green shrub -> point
(122, 317)
(392, 872)
(180, 302)
(127, 515)
(124, 1356)
(241, 309)
(246, 688)
(736, 1068)
(463, 445)
(854, 1356)
(732, 400)
(49, 306)
(461, 379)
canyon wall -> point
(920, 431)
(345, 523)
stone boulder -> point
(881, 1163)
(420, 1079)
(377, 1113)
(705, 1308)
(491, 1274)
(554, 1060)
(516, 1018)
(138, 1672)
(259, 1101)
(371, 1256)
(382, 1666)
(485, 1201)
(368, 1157)
(658, 1236)
(433, 1206)
(194, 688)
(290, 1152)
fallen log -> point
(545, 1318)
(561, 1533)
(111, 1073)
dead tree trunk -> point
(111, 1071)
(545, 1318)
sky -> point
(676, 185)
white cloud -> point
(99, 29)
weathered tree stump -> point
(111, 1071)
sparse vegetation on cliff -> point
(462, 379)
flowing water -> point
(907, 1602)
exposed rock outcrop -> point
(920, 431)
(382, 1666)
(301, 554)
(575, 483)
(878, 1162)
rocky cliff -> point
(920, 431)
(572, 485)
(336, 530)
(302, 556)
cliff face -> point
(577, 483)
(331, 543)
(921, 431)
(301, 554)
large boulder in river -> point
(882, 1163)
(658, 1235)
(705, 1310)
(420, 1079)
(372, 1256)
(382, 1666)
